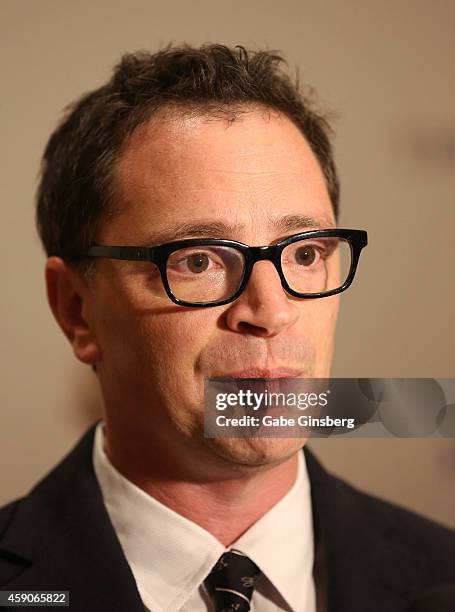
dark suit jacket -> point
(375, 556)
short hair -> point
(76, 188)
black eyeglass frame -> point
(159, 255)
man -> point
(197, 153)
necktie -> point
(231, 582)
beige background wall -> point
(387, 69)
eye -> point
(192, 262)
(198, 262)
(306, 255)
(309, 255)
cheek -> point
(318, 315)
(328, 319)
(317, 323)
(168, 344)
(150, 359)
(182, 334)
(134, 325)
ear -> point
(70, 299)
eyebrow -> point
(208, 228)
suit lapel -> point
(61, 538)
(364, 568)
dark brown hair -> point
(75, 192)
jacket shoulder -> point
(7, 513)
(409, 529)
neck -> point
(225, 506)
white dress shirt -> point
(170, 556)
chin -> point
(255, 452)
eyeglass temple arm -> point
(130, 253)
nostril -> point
(254, 330)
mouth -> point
(258, 380)
(262, 373)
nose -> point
(264, 308)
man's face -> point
(180, 171)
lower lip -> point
(258, 374)
(255, 385)
(278, 381)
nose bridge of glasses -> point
(264, 253)
(261, 253)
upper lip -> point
(279, 372)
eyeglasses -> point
(205, 272)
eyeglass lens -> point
(214, 273)
(317, 264)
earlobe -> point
(70, 300)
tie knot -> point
(231, 582)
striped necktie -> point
(231, 582)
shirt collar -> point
(171, 555)
(281, 542)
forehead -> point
(177, 168)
